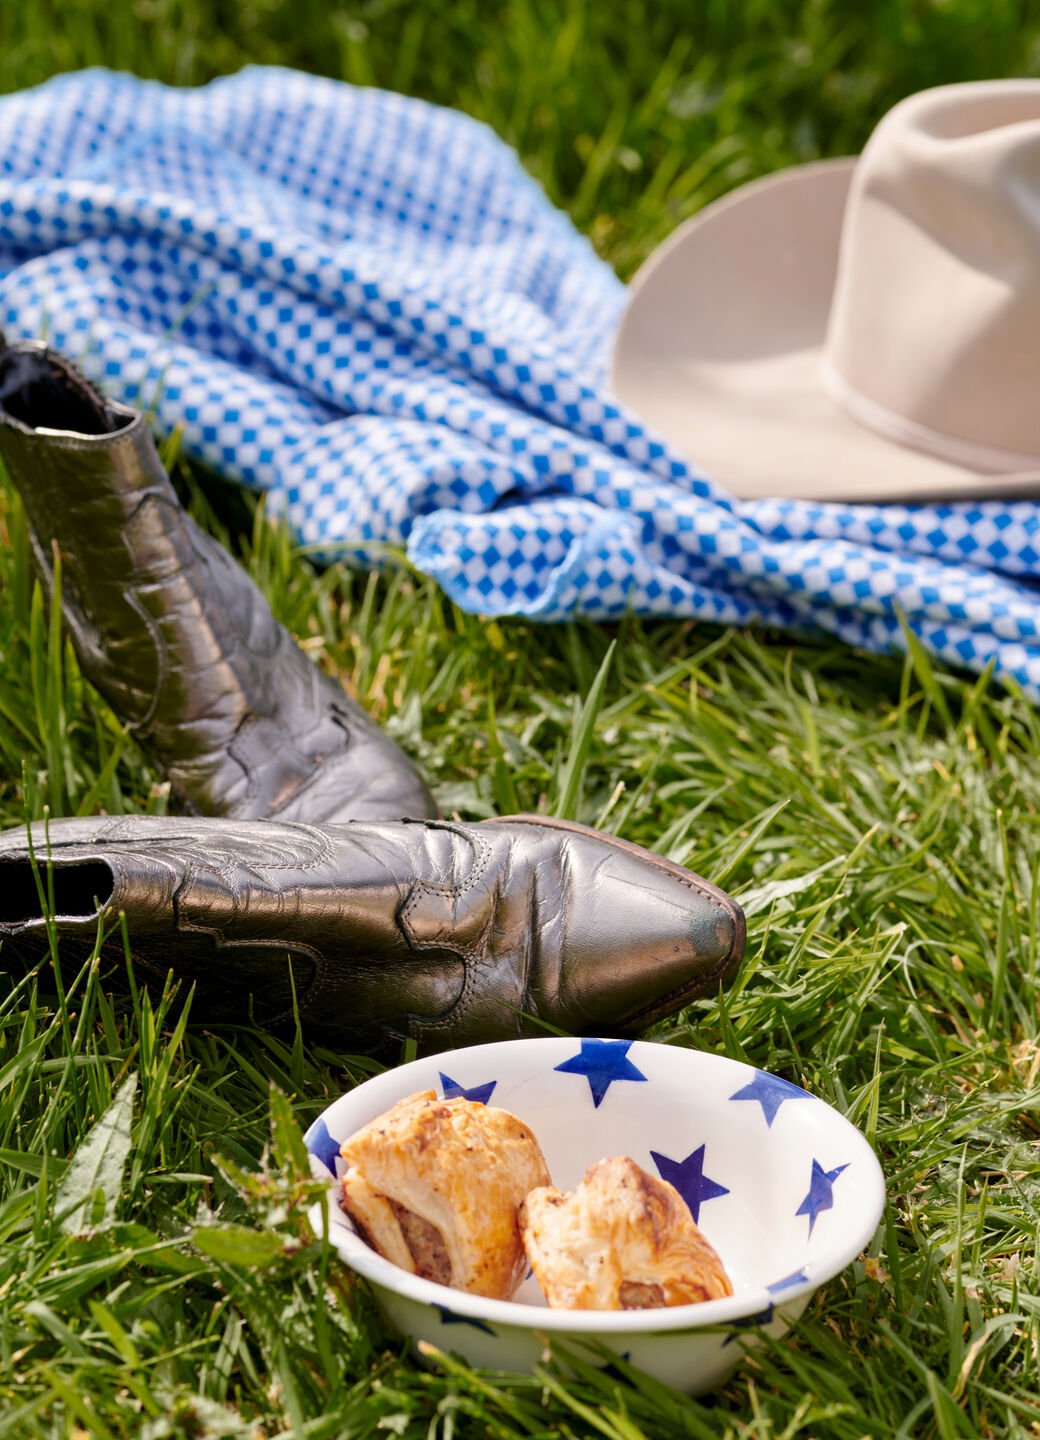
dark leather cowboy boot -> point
(451, 934)
(173, 633)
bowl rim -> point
(752, 1305)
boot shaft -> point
(95, 491)
(171, 630)
(257, 915)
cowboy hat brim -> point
(721, 350)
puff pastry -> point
(623, 1240)
(435, 1185)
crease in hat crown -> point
(934, 333)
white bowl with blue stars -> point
(784, 1187)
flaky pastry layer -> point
(623, 1240)
(435, 1186)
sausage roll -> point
(623, 1240)
(434, 1186)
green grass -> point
(879, 818)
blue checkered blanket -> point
(361, 305)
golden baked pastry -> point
(623, 1240)
(434, 1186)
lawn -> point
(878, 817)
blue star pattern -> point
(821, 1192)
(612, 1369)
(689, 1179)
(770, 1092)
(796, 1277)
(361, 305)
(602, 1062)
(321, 1145)
(450, 1317)
(452, 1090)
(748, 1322)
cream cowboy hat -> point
(859, 329)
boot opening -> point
(37, 389)
(79, 890)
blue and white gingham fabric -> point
(361, 305)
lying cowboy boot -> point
(450, 934)
(173, 633)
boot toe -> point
(631, 937)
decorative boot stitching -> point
(470, 954)
(159, 492)
(142, 728)
(468, 951)
(225, 865)
(304, 999)
(252, 773)
(184, 926)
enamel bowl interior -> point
(784, 1187)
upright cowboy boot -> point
(173, 633)
(451, 934)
